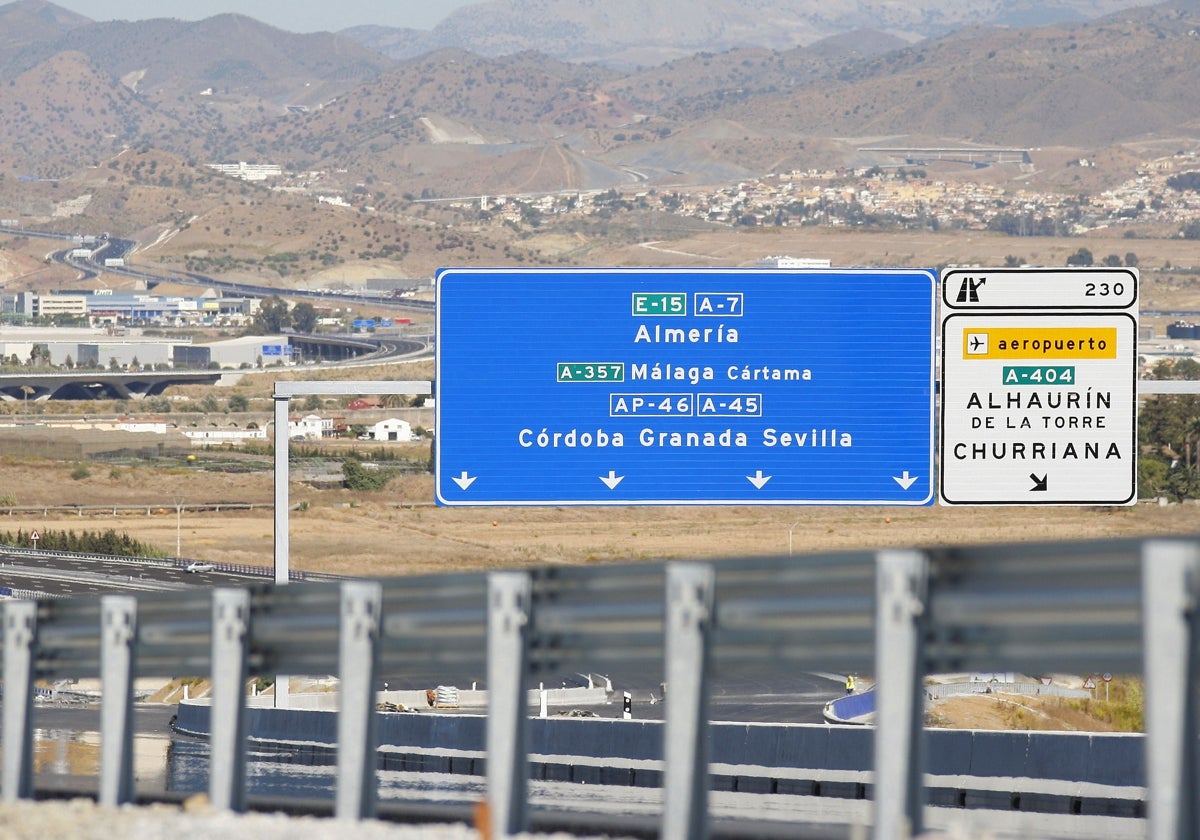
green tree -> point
(304, 317)
(239, 402)
(272, 317)
(1169, 442)
(1082, 257)
(1185, 181)
(1186, 369)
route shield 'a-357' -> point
(685, 386)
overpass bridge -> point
(976, 156)
(97, 384)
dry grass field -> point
(399, 531)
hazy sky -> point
(304, 16)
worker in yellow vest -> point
(850, 684)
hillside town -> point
(897, 196)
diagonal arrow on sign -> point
(612, 479)
(1039, 483)
(464, 481)
(758, 479)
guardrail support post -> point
(118, 641)
(901, 589)
(227, 747)
(358, 658)
(283, 546)
(509, 614)
(20, 640)
(282, 513)
(689, 618)
(282, 523)
(1170, 592)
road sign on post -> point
(673, 386)
(1039, 387)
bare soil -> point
(1012, 712)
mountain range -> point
(629, 33)
(76, 94)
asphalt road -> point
(64, 575)
(765, 698)
(149, 718)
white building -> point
(51, 306)
(791, 262)
(392, 429)
(246, 351)
(248, 171)
(127, 354)
(217, 437)
(310, 427)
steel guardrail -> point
(153, 562)
(1126, 605)
(150, 509)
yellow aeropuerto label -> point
(1040, 343)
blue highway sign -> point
(685, 386)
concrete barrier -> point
(1030, 771)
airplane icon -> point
(977, 344)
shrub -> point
(356, 476)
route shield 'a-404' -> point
(674, 386)
(1039, 386)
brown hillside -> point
(229, 88)
(1070, 84)
(64, 114)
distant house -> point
(310, 427)
(393, 430)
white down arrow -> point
(758, 479)
(612, 479)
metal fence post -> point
(20, 640)
(118, 642)
(358, 658)
(227, 753)
(1170, 589)
(689, 618)
(901, 589)
(509, 613)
